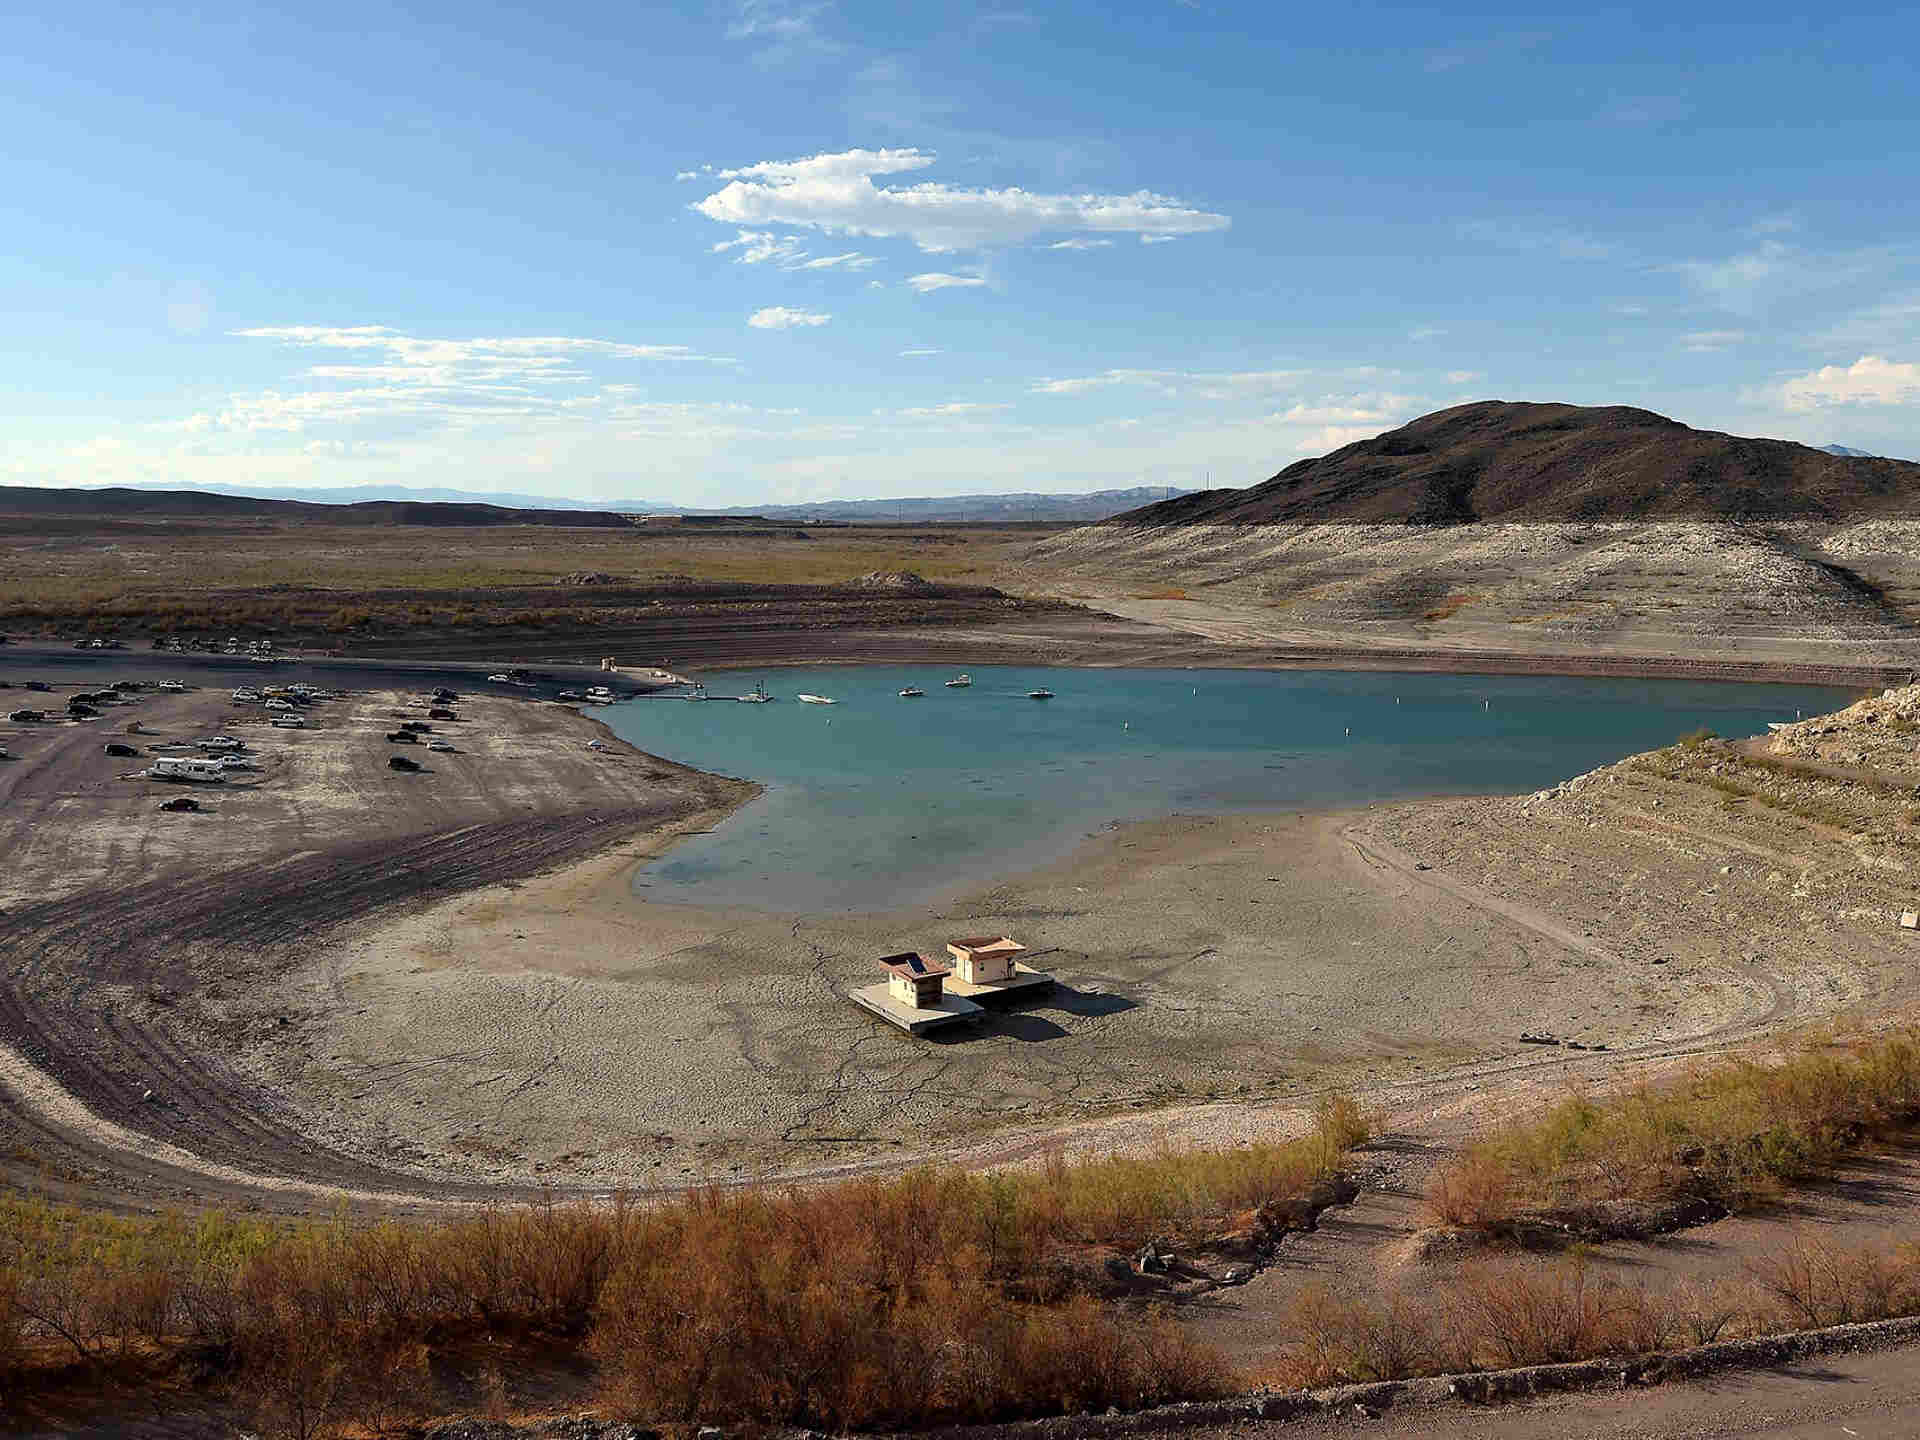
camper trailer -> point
(186, 767)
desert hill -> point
(1501, 461)
(132, 503)
(1531, 528)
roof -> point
(987, 945)
(915, 966)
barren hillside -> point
(1532, 527)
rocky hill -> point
(1496, 460)
(1531, 528)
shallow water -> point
(879, 801)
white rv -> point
(186, 767)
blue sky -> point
(773, 251)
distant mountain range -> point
(1848, 451)
(1068, 509)
(1498, 460)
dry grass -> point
(1515, 1311)
(1731, 1135)
(937, 1296)
(200, 576)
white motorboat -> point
(758, 697)
(911, 692)
(699, 692)
(1041, 694)
(818, 700)
(960, 681)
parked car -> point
(38, 685)
(442, 746)
(401, 762)
(115, 748)
(403, 737)
(180, 802)
(441, 713)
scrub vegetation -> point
(936, 1296)
(1726, 1139)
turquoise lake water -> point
(879, 801)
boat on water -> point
(1041, 694)
(758, 697)
(911, 692)
(818, 700)
(699, 692)
(960, 681)
(599, 695)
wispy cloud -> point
(1425, 332)
(762, 247)
(1080, 242)
(836, 193)
(780, 32)
(1870, 380)
(1711, 341)
(940, 280)
(384, 377)
(1217, 383)
(1464, 377)
(781, 317)
(915, 354)
(952, 410)
(1533, 237)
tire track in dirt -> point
(206, 1126)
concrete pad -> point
(914, 1020)
(1023, 983)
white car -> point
(440, 745)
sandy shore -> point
(1227, 965)
(447, 986)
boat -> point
(599, 695)
(960, 681)
(818, 700)
(758, 697)
(699, 692)
(1041, 694)
(569, 695)
(911, 692)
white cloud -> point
(414, 383)
(758, 247)
(1707, 342)
(1353, 410)
(953, 409)
(1157, 239)
(1216, 385)
(911, 354)
(1870, 380)
(1425, 332)
(686, 175)
(1529, 237)
(835, 193)
(851, 260)
(938, 280)
(780, 317)
(1464, 377)
(782, 32)
(1333, 437)
(1080, 242)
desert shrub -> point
(1533, 1312)
(1815, 1284)
(1731, 1134)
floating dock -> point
(1024, 983)
(914, 1019)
